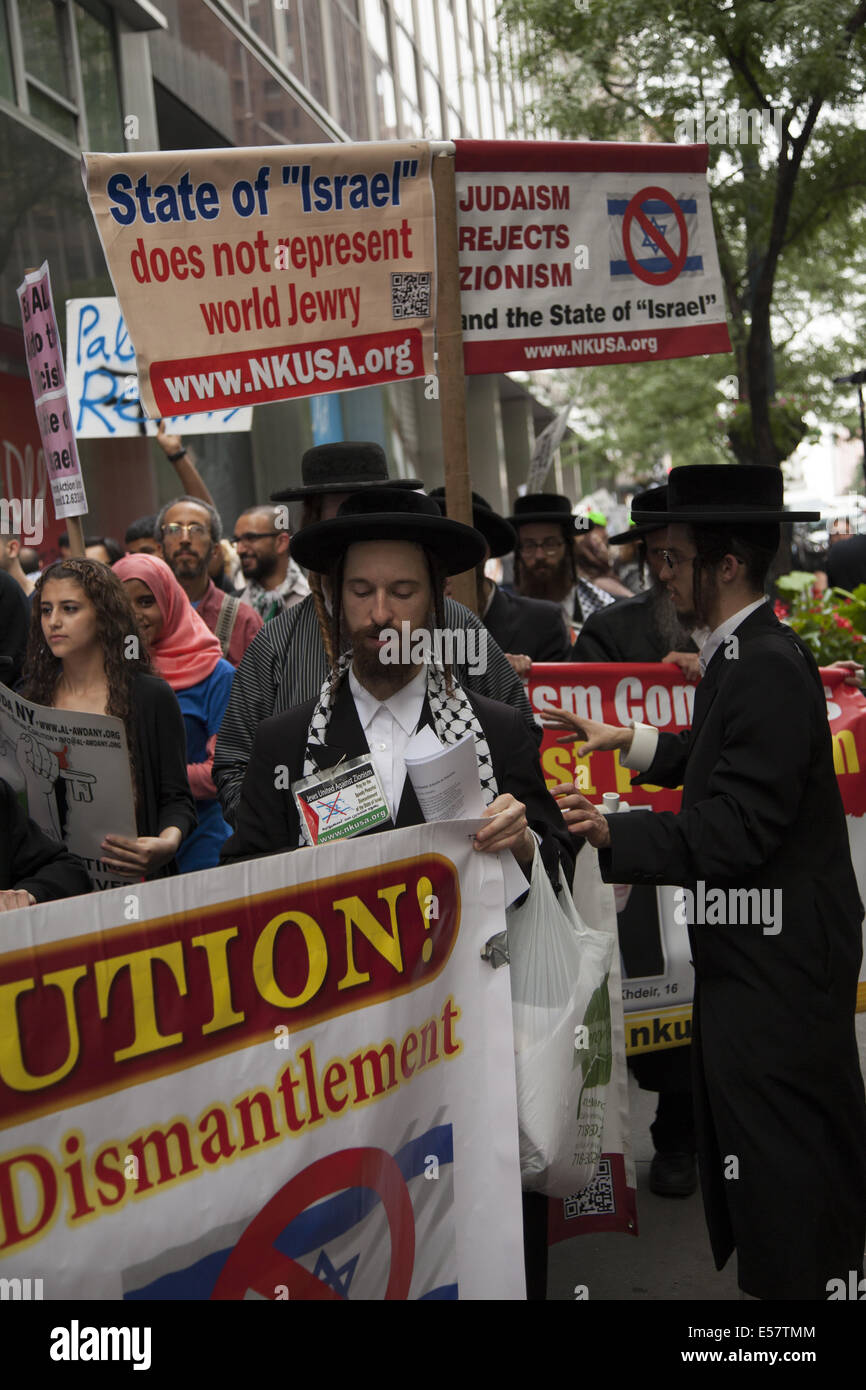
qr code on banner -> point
(595, 1200)
(410, 294)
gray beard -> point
(665, 620)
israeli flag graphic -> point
(343, 1240)
(648, 243)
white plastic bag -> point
(562, 1037)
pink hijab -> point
(187, 651)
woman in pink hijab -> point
(188, 656)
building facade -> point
(113, 75)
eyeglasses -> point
(248, 537)
(192, 528)
(550, 547)
(673, 560)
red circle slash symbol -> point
(635, 212)
(255, 1264)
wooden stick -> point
(452, 383)
(75, 531)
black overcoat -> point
(527, 626)
(267, 820)
(779, 1103)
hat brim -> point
(636, 533)
(297, 494)
(458, 547)
(708, 516)
(560, 518)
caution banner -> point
(291, 1078)
(575, 253)
(658, 979)
(254, 275)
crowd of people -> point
(242, 662)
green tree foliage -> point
(788, 190)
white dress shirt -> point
(646, 736)
(388, 726)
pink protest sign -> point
(48, 382)
(61, 454)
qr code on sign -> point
(597, 1199)
(410, 294)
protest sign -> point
(45, 366)
(290, 1078)
(577, 253)
(71, 772)
(253, 275)
(658, 979)
(103, 385)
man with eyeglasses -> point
(274, 581)
(190, 531)
(545, 562)
(760, 848)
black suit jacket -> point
(31, 860)
(777, 1076)
(623, 632)
(527, 626)
(267, 821)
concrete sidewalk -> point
(670, 1260)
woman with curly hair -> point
(85, 654)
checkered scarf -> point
(453, 717)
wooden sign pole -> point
(452, 383)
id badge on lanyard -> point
(341, 802)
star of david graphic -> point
(661, 228)
(337, 1279)
(334, 807)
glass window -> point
(351, 107)
(434, 106)
(98, 80)
(403, 11)
(408, 70)
(7, 85)
(314, 50)
(386, 106)
(45, 42)
(52, 114)
(376, 28)
(426, 35)
(451, 72)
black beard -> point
(673, 628)
(551, 584)
(189, 574)
(263, 568)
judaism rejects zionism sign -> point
(289, 1078)
(574, 253)
(254, 275)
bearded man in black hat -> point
(545, 561)
(645, 627)
(386, 555)
(526, 629)
(290, 658)
(761, 850)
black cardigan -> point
(31, 860)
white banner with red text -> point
(290, 1078)
(575, 253)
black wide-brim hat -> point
(652, 501)
(544, 506)
(347, 466)
(500, 537)
(711, 494)
(389, 515)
